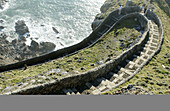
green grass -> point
(84, 60)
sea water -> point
(72, 18)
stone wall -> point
(87, 42)
(153, 16)
(103, 69)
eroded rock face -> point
(21, 28)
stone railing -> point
(93, 73)
(150, 15)
(87, 42)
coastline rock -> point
(34, 46)
(55, 30)
(2, 27)
(48, 46)
(21, 28)
(1, 20)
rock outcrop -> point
(17, 50)
(21, 28)
(106, 6)
(47, 46)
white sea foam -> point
(72, 18)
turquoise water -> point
(72, 18)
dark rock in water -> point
(55, 30)
(48, 46)
(21, 28)
(34, 46)
(2, 27)
(61, 44)
(1, 21)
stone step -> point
(104, 31)
(118, 67)
(107, 25)
(73, 93)
(102, 88)
(96, 92)
(78, 93)
(135, 56)
(100, 33)
(155, 40)
(114, 18)
(90, 86)
(67, 91)
(151, 47)
(127, 60)
(74, 90)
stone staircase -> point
(117, 72)
(109, 24)
(124, 71)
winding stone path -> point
(119, 75)
(124, 71)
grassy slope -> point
(154, 77)
(80, 62)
